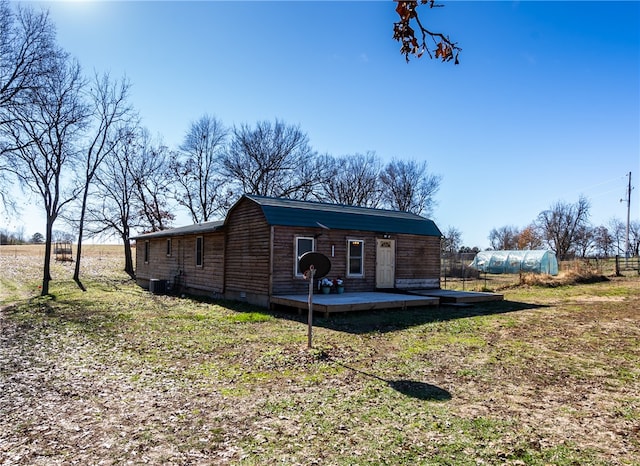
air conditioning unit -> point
(157, 286)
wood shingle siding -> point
(417, 259)
(179, 269)
(248, 245)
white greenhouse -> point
(536, 261)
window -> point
(146, 252)
(355, 259)
(303, 244)
(168, 246)
(199, 251)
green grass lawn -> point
(116, 375)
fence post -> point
(617, 265)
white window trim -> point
(169, 247)
(201, 264)
(355, 275)
(297, 255)
(147, 251)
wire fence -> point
(456, 272)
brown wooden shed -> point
(252, 255)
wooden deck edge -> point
(328, 308)
(461, 296)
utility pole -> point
(628, 201)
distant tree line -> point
(565, 229)
(18, 237)
(12, 237)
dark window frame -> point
(360, 258)
(200, 251)
(296, 270)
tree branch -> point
(446, 50)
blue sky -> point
(544, 107)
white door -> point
(385, 263)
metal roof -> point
(198, 228)
(290, 212)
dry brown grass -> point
(21, 267)
(96, 251)
(564, 278)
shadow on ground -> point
(411, 388)
(419, 390)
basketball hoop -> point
(314, 265)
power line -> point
(589, 188)
(614, 190)
(616, 179)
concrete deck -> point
(328, 303)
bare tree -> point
(504, 238)
(271, 160)
(585, 239)
(634, 236)
(62, 236)
(198, 185)
(603, 241)
(109, 108)
(618, 230)
(45, 136)
(152, 183)
(353, 180)
(408, 186)
(133, 189)
(452, 241)
(114, 211)
(27, 54)
(404, 32)
(317, 173)
(561, 224)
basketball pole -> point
(312, 272)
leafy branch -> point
(403, 32)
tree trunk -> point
(46, 270)
(128, 257)
(83, 209)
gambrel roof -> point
(295, 213)
(291, 212)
